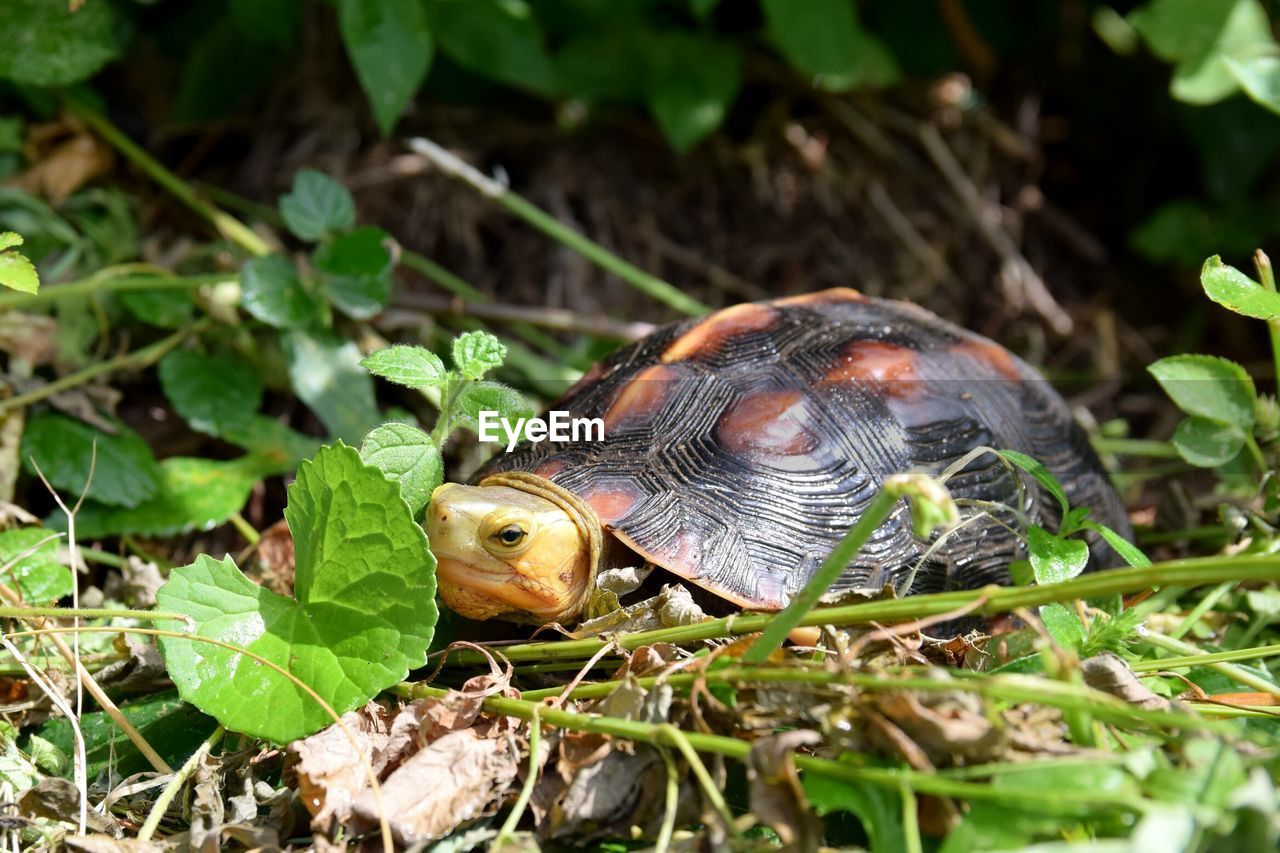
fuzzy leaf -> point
(406, 454)
(317, 206)
(16, 272)
(1063, 625)
(492, 397)
(477, 353)
(1054, 559)
(39, 575)
(1208, 387)
(390, 45)
(215, 394)
(1234, 290)
(416, 367)
(273, 293)
(364, 614)
(125, 473)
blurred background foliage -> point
(1139, 92)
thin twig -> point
(646, 283)
(526, 791)
(559, 319)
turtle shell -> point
(740, 447)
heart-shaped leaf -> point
(317, 206)
(407, 454)
(1054, 559)
(124, 471)
(1207, 443)
(364, 615)
(216, 394)
(1209, 387)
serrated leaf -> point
(18, 273)
(165, 309)
(477, 353)
(47, 44)
(879, 809)
(1207, 443)
(281, 447)
(823, 39)
(1234, 290)
(407, 455)
(692, 81)
(9, 240)
(356, 272)
(364, 615)
(1063, 625)
(173, 728)
(272, 291)
(125, 474)
(193, 494)
(1040, 474)
(317, 206)
(215, 394)
(415, 367)
(326, 375)
(1054, 559)
(1208, 387)
(480, 397)
(40, 577)
(390, 45)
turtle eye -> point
(510, 536)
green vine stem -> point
(1204, 659)
(24, 612)
(97, 284)
(1268, 277)
(224, 223)
(646, 283)
(179, 779)
(1230, 670)
(660, 735)
(986, 601)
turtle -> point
(739, 447)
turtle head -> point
(511, 552)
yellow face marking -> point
(502, 552)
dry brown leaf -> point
(144, 667)
(57, 799)
(1246, 700)
(944, 725)
(107, 844)
(136, 582)
(1110, 673)
(276, 559)
(29, 337)
(450, 781)
(331, 774)
(777, 797)
(63, 158)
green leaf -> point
(1128, 552)
(165, 309)
(1054, 559)
(416, 367)
(480, 397)
(390, 45)
(476, 353)
(317, 206)
(1063, 625)
(194, 494)
(356, 270)
(1208, 387)
(281, 447)
(40, 577)
(125, 474)
(16, 272)
(1260, 79)
(364, 614)
(172, 727)
(46, 44)
(823, 39)
(215, 394)
(879, 809)
(692, 81)
(1186, 231)
(1207, 443)
(272, 291)
(1040, 473)
(272, 22)
(405, 454)
(1234, 290)
(1182, 29)
(325, 373)
(498, 39)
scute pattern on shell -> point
(740, 447)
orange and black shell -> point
(739, 447)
